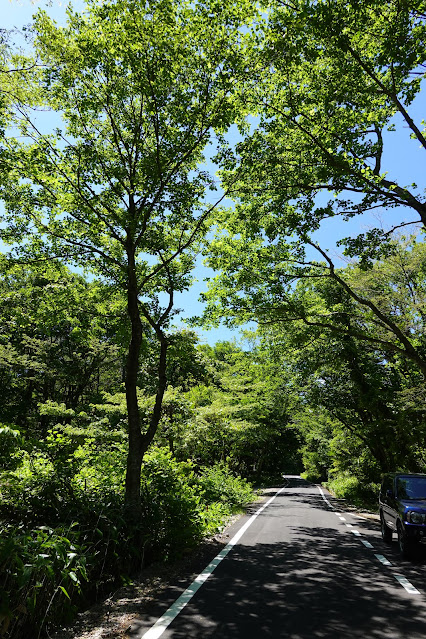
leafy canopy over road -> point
(104, 132)
(332, 79)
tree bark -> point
(139, 442)
(135, 454)
(161, 388)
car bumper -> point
(415, 531)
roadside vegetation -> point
(125, 440)
(66, 537)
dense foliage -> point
(112, 181)
(65, 538)
(358, 397)
(337, 82)
(123, 440)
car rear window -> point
(411, 488)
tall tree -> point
(111, 177)
(243, 414)
(357, 395)
(383, 307)
(337, 78)
(58, 341)
(334, 79)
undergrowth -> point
(65, 538)
(360, 493)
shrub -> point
(214, 517)
(218, 484)
(68, 540)
(42, 569)
(171, 503)
(181, 506)
(356, 491)
(10, 443)
(50, 570)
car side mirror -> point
(389, 493)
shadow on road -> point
(322, 585)
(314, 580)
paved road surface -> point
(303, 569)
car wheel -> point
(385, 530)
(406, 545)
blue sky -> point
(16, 13)
(403, 160)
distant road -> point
(303, 568)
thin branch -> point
(204, 127)
(70, 182)
(169, 307)
(341, 331)
(404, 196)
(87, 247)
(379, 152)
(391, 95)
(410, 350)
(400, 226)
(183, 246)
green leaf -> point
(65, 592)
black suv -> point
(402, 504)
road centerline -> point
(403, 581)
(367, 544)
(383, 560)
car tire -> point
(385, 530)
(406, 546)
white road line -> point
(367, 544)
(383, 560)
(325, 498)
(407, 585)
(400, 578)
(165, 620)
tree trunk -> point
(161, 388)
(138, 442)
(135, 452)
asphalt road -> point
(303, 568)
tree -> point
(382, 307)
(346, 362)
(58, 341)
(186, 365)
(242, 416)
(352, 410)
(335, 76)
(352, 341)
(118, 187)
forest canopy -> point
(135, 137)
